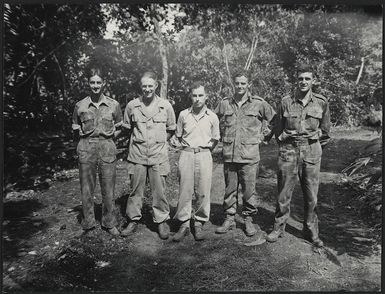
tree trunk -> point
(163, 56)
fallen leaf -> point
(12, 268)
(103, 263)
(32, 252)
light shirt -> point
(197, 130)
(149, 126)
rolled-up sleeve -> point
(118, 116)
(215, 133)
(127, 118)
(179, 126)
(75, 119)
(171, 120)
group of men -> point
(301, 126)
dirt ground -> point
(44, 248)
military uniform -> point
(96, 149)
(148, 154)
(302, 130)
(241, 136)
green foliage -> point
(49, 47)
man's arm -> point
(270, 116)
(325, 126)
(171, 122)
(76, 128)
(118, 121)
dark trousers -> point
(94, 160)
(304, 161)
(244, 174)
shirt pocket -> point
(88, 120)
(250, 147)
(160, 121)
(313, 117)
(293, 119)
(229, 117)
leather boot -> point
(183, 231)
(131, 228)
(163, 230)
(274, 235)
(227, 225)
(250, 229)
(198, 231)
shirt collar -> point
(203, 111)
(103, 100)
(305, 101)
(246, 97)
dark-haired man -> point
(198, 132)
(242, 116)
(151, 122)
(302, 130)
(95, 120)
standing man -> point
(95, 119)
(198, 132)
(242, 133)
(151, 122)
(303, 124)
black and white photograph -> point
(192, 147)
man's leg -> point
(107, 177)
(161, 209)
(87, 174)
(309, 178)
(186, 190)
(203, 174)
(135, 199)
(247, 179)
(287, 176)
(230, 198)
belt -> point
(300, 142)
(196, 150)
(97, 139)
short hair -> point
(197, 84)
(95, 71)
(241, 73)
(150, 75)
(304, 67)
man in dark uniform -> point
(96, 119)
(302, 130)
(242, 116)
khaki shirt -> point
(242, 130)
(148, 142)
(93, 121)
(197, 131)
(298, 121)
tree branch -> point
(227, 63)
(40, 62)
(64, 91)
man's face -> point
(305, 81)
(198, 97)
(241, 85)
(96, 84)
(148, 86)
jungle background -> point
(48, 49)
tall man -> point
(151, 122)
(198, 132)
(95, 120)
(303, 124)
(243, 115)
